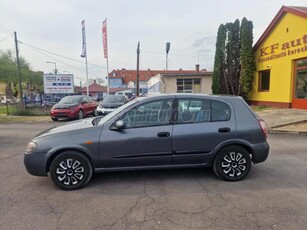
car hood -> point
(63, 106)
(71, 126)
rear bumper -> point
(261, 152)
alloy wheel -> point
(70, 172)
(233, 164)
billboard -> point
(58, 83)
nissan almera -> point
(164, 131)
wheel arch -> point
(242, 143)
(55, 152)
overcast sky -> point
(189, 25)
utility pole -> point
(18, 68)
(168, 46)
(138, 70)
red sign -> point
(104, 38)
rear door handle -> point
(163, 134)
(224, 130)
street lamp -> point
(55, 69)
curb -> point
(287, 132)
(290, 123)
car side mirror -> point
(120, 124)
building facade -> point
(281, 61)
(165, 81)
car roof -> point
(193, 95)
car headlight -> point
(31, 147)
(73, 107)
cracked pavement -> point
(273, 196)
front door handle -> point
(163, 134)
(224, 130)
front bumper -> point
(63, 114)
(36, 163)
(105, 111)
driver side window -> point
(152, 113)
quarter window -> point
(264, 80)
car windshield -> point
(114, 99)
(115, 112)
(70, 100)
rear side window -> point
(202, 110)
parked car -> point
(77, 107)
(164, 131)
(9, 100)
(110, 103)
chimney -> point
(197, 68)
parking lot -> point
(273, 196)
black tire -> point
(71, 170)
(54, 119)
(80, 114)
(232, 163)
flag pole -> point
(86, 69)
(84, 54)
(105, 50)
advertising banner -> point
(58, 83)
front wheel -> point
(80, 115)
(95, 113)
(54, 118)
(71, 170)
(232, 163)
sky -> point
(50, 31)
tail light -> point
(263, 127)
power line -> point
(3, 39)
(46, 51)
(41, 51)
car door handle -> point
(163, 134)
(224, 130)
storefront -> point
(281, 61)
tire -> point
(232, 163)
(80, 115)
(71, 170)
(54, 119)
(95, 113)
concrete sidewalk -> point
(285, 120)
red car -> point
(76, 107)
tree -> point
(9, 74)
(248, 65)
(219, 59)
(8, 71)
(234, 59)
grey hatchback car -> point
(164, 131)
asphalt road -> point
(273, 196)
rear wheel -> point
(232, 163)
(71, 170)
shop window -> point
(264, 80)
(301, 79)
(188, 86)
